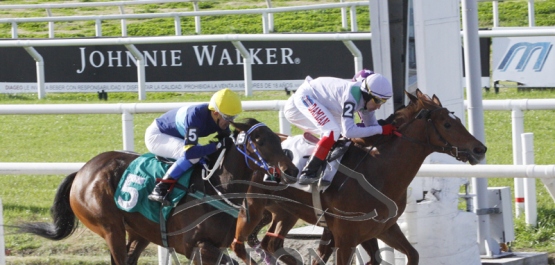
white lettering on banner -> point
(209, 56)
(527, 60)
(206, 54)
(97, 59)
(112, 58)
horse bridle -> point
(447, 148)
(245, 137)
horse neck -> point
(399, 160)
(234, 169)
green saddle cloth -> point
(137, 183)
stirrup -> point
(304, 180)
(159, 198)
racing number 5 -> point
(192, 137)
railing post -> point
(354, 25)
(343, 16)
(197, 18)
(98, 27)
(50, 24)
(529, 183)
(177, 23)
(517, 117)
(270, 16)
(41, 91)
(123, 22)
(127, 131)
(14, 30)
(247, 66)
(140, 70)
(284, 125)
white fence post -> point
(530, 206)
(517, 116)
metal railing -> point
(266, 14)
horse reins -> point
(426, 114)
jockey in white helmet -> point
(326, 106)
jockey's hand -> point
(388, 129)
(225, 142)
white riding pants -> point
(162, 144)
(308, 114)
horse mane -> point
(401, 116)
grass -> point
(77, 138)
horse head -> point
(443, 131)
(262, 148)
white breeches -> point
(308, 114)
(162, 144)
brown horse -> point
(197, 232)
(353, 215)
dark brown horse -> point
(350, 209)
(197, 232)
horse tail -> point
(64, 219)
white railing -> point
(128, 109)
(266, 14)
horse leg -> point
(135, 246)
(394, 238)
(111, 229)
(273, 241)
(325, 248)
(211, 255)
(346, 247)
(244, 228)
(373, 250)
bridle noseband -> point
(245, 137)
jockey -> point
(175, 134)
(327, 106)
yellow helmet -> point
(227, 103)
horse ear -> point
(419, 93)
(435, 99)
(411, 96)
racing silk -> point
(194, 122)
(343, 99)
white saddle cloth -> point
(302, 148)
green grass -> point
(77, 138)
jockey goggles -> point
(228, 118)
(377, 100)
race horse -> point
(364, 201)
(88, 195)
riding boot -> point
(159, 193)
(316, 160)
(162, 189)
(308, 175)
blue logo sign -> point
(529, 49)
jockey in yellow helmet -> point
(176, 133)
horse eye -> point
(447, 125)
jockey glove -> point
(388, 129)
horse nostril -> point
(480, 150)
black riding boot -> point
(308, 175)
(159, 193)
